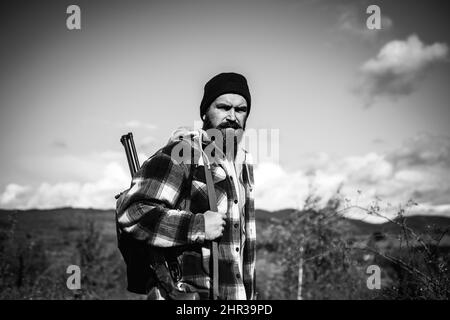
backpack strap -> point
(214, 244)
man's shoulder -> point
(163, 162)
(178, 152)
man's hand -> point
(214, 224)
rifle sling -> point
(214, 246)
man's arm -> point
(147, 210)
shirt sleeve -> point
(148, 210)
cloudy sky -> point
(363, 109)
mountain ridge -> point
(263, 217)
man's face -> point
(227, 111)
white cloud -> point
(408, 56)
(410, 176)
(422, 150)
(398, 68)
(369, 168)
(277, 189)
(377, 176)
(96, 194)
(13, 192)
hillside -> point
(36, 246)
(418, 223)
(46, 222)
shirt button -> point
(235, 201)
(236, 225)
(237, 249)
(238, 275)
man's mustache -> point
(229, 124)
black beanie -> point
(225, 83)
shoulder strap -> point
(214, 246)
(213, 207)
(189, 181)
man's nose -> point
(231, 115)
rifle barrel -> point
(130, 151)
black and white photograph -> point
(251, 150)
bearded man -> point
(168, 207)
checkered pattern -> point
(153, 210)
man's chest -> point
(229, 185)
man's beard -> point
(232, 133)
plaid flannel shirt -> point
(153, 209)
